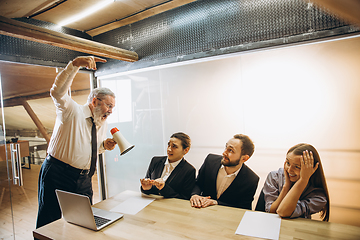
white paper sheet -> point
(132, 205)
(259, 224)
(127, 194)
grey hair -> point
(100, 92)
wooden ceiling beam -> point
(17, 101)
(30, 32)
(42, 6)
(349, 10)
(37, 121)
(139, 16)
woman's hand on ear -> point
(307, 165)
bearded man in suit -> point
(226, 180)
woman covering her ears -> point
(299, 189)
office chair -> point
(260, 205)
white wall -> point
(278, 97)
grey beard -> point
(97, 116)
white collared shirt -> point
(224, 180)
(168, 168)
(71, 138)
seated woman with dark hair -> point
(171, 176)
(299, 189)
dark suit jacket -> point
(239, 194)
(180, 182)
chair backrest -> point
(260, 205)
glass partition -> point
(195, 99)
(6, 206)
(279, 97)
(138, 116)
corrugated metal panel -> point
(214, 27)
(196, 30)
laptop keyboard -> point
(99, 221)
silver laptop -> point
(77, 209)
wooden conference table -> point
(176, 219)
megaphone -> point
(123, 144)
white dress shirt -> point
(71, 138)
(224, 180)
(169, 167)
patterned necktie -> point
(93, 149)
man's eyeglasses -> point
(109, 106)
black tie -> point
(93, 149)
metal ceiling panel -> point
(215, 27)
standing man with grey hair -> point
(78, 137)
